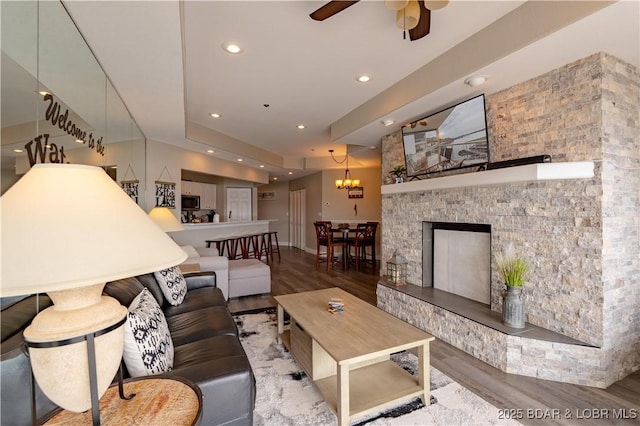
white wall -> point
(161, 155)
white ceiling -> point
(166, 61)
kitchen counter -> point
(195, 234)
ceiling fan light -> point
(408, 17)
(435, 4)
(395, 4)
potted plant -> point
(398, 171)
(513, 269)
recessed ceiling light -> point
(275, 178)
(215, 115)
(261, 166)
(240, 159)
(475, 80)
(363, 78)
(300, 126)
(387, 122)
(210, 151)
(372, 147)
(17, 150)
(290, 173)
(79, 141)
(232, 47)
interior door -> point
(239, 204)
(297, 211)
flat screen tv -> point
(450, 139)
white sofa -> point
(208, 259)
(236, 278)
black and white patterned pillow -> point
(172, 284)
(148, 348)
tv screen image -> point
(450, 139)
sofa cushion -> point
(172, 284)
(247, 268)
(201, 324)
(197, 299)
(149, 281)
(148, 348)
(222, 370)
(124, 290)
(212, 349)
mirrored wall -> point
(57, 103)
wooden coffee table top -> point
(360, 331)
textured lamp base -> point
(60, 366)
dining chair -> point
(365, 236)
(325, 238)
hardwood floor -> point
(531, 401)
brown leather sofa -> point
(207, 351)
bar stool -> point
(273, 248)
(231, 246)
(264, 247)
(253, 246)
(244, 241)
(268, 246)
(221, 245)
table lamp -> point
(163, 217)
(67, 230)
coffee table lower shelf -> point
(372, 388)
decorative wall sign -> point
(357, 192)
(268, 195)
(130, 186)
(165, 194)
(165, 191)
(40, 152)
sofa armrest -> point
(197, 280)
(207, 251)
(213, 263)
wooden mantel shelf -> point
(526, 173)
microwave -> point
(190, 202)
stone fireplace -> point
(581, 233)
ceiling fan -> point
(411, 15)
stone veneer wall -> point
(582, 236)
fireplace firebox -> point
(456, 258)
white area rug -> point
(286, 396)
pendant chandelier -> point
(348, 182)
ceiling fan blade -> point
(424, 24)
(330, 9)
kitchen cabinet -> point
(191, 188)
(208, 196)
(206, 191)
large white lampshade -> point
(67, 230)
(163, 217)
